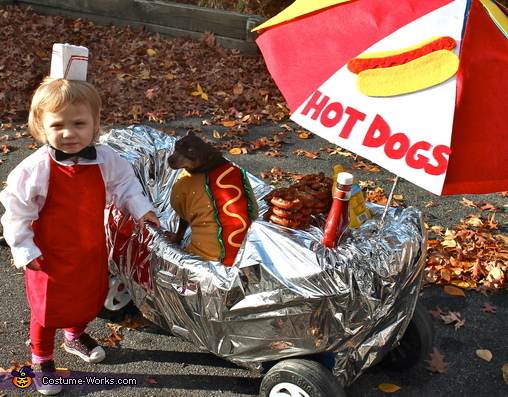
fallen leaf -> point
(496, 277)
(450, 317)
(484, 354)
(362, 165)
(235, 151)
(488, 308)
(112, 339)
(199, 92)
(306, 153)
(388, 387)
(436, 363)
(460, 283)
(436, 313)
(451, 290)
(438, 230)
(505, 373)
(151, 380)
(492, 223)
(273, 153)
(133, 322)
(449, 239)
(467, 203)
(445, 274)
(474, 221)
(114, 327)
(338, 150)
(489, 207)
(453, 317)
(5, 148)
(376, 196)
(151, 93)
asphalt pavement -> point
(164, 365)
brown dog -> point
(214, 197)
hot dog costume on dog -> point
(219, 206)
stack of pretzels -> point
(294, 206)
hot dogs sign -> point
(400, 83)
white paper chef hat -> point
(69, 62)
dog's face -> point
(191, 152)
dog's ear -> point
(190, 133)
(210, 155)
(212, 152)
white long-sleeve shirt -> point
(27, 188)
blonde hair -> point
(54, 95)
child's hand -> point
(32, 265)
(149, 217)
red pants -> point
(42, 339)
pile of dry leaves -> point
(140, 75)
(472, 255)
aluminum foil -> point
(286, 295)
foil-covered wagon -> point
(312, 319)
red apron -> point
(72, 285)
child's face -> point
(71, 129)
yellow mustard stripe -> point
(229, 202)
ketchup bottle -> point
(337, 223)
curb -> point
(231, 29)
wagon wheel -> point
(300, 378)
(415, 344)
(118, 302)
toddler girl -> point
(54, 218)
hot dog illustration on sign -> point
(411, 69)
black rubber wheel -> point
(416, 343)
(118, 303)
(300, 378)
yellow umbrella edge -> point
(499, 18)
(298, 9)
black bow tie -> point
(90, 153)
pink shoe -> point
(86, 348)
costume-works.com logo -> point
(23, 377)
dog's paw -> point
(173, 237)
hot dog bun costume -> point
(219, 206)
